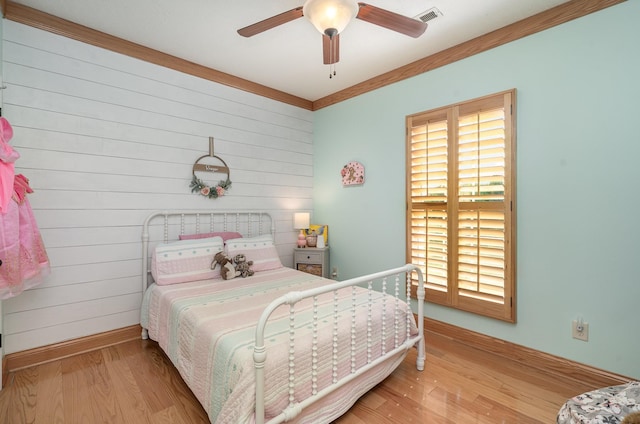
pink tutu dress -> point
(22, 252)
(7, 157)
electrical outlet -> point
(334, 273)
(580, 330)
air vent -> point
(429, 15)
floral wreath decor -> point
(212, 192)
(198, 186)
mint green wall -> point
(578, 169)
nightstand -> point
(312, 260)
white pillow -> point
(185, 260)
(261, 250)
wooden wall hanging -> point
(210, 191)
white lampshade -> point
(330, 17)
(301, 220)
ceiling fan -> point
(330, 17)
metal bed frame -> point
(396, 281)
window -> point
(461, 209)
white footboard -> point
(396, 286)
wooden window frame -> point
(500, 306)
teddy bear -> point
(633, 418)
(227, 269)
(243, 267)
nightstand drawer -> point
(308, 258)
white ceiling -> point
(288, 58)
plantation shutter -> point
(429, 187)
(460, 204)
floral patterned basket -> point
(608, 405)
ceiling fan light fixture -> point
(330, 17)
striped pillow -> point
(261, 250)
(184, 261)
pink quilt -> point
(207, 329)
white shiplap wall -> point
(105, 139)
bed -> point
(280, 345)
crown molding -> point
(47, 22)
(548, 19)
(544, 20)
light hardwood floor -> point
(134, 382)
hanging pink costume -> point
(7, 157)
(24, 258)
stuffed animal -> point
(243, 267)
(227, 269)
(633, 418)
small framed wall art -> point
(352, 174)
(320, 230)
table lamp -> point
(301, 222)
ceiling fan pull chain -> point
(332, 66)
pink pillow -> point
(261, 250)
(226, 235)
(184, 261)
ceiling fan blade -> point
(330, 49)
(271, 22)
(391, 20)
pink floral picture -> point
(352, 174)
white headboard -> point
(166, 226)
